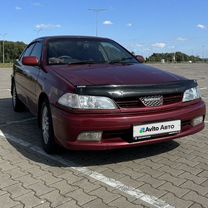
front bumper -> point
(68, 126)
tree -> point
(12, 50)
(171, 57)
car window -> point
(113, 52)
(69, 51)
(28, 50)
(36, 51)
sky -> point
(142, 26)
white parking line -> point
(5, 89)
(18, 121)
(203, 88)
(138, 194)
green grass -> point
(6, 65)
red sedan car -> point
(90, 93)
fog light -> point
(90, 136)
(196, 121)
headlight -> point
(86, 102)
(191, 94)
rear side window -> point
(36, 51)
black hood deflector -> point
(124, 91)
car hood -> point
(117, 74)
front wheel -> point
(18, 106)
(48, 140)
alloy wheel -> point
(45, 124)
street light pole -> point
(3, 36)
(96, 14)
(97, 11)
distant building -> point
(174, 58)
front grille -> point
(170, 99)
(136, 102)
(152, 101)
(125, 134)
(186, 124)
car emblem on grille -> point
(152, 101)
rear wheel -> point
(48, 140)
(18, 106)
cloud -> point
(201, 26)
(107, 22)
(47, 26)
(139, 45)
(159, 45)
(18, 8)
(129, 24)
(37, 4)
(181, 39)
(172, 47)
(147, 49)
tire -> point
(48, 141)
(18, 106)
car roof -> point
(70, 37)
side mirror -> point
(30, 61)
(140, 58)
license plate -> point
(154, 129)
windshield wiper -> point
(122, 61)
(82, 62)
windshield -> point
(82, 51)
